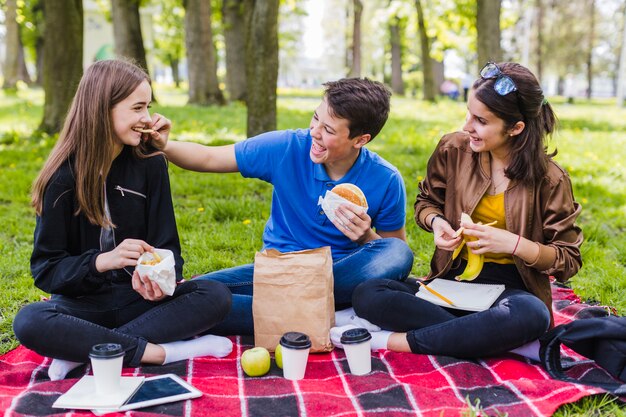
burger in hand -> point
(352, 193)
(343, 194)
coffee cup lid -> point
(295, 340)
(354, 336)
(106, 350)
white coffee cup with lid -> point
(295, 347)
(356, 345)
(106, 364)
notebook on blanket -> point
(467, 296)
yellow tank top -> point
(490, 208)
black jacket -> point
(66, 245)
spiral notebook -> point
(467, 296)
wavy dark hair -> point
(363, 102)
(529, 153)
(87, 136)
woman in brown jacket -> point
(497, 169)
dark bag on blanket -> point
(601, 339)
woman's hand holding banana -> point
(489, 239)
(444, 235)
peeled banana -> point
(474, 261)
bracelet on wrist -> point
(435, 217)
(519, 237)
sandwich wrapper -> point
(331, 202)
(162, 273)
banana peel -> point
(474, 261)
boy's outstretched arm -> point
(201, 158)
(188, 155)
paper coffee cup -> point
(296, 348)
(106, 364)
(356, 345)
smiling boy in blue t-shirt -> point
(301, 165)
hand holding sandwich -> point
(352, 219)
(355, 224)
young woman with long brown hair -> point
(102, 199)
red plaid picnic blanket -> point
(400, 384)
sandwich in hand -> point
(352, 193)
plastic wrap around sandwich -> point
(158, 266)
(342, 194)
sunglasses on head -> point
(503, 84)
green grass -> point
(221, 217)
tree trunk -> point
(204, 88)
(592, 26)
(488, 31)
(262, 68)
(12, 42)
(234, 20)
(355, 68)
(62, 66)
(397, 85)
(127, 31)
(430, 89)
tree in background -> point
(430, 89)
(355, 45)
(10, 67)
(397, 24)
(204, 88)
(127, 31)
(262, 68)
(488, 31)
(558, 38)
(590, 44)
(539, 50)
(608, 40)
(62, 66)
(290, 40)
(169, 35)
(14, 68)
(566, 28)
(621, 80)
(235, 34)
(574, 41)
(31, 24)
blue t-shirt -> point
(297, 221)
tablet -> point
(156, 390)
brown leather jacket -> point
(457, 178)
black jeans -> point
(517, 317)
(67, 327)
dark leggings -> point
(517, 317)
(67, 327)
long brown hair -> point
(87, 137)
(529, 157)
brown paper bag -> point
(293, 292)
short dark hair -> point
(363, 102)
(529, 157)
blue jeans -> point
(67, 327)
(382, 258)
(517, 317)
